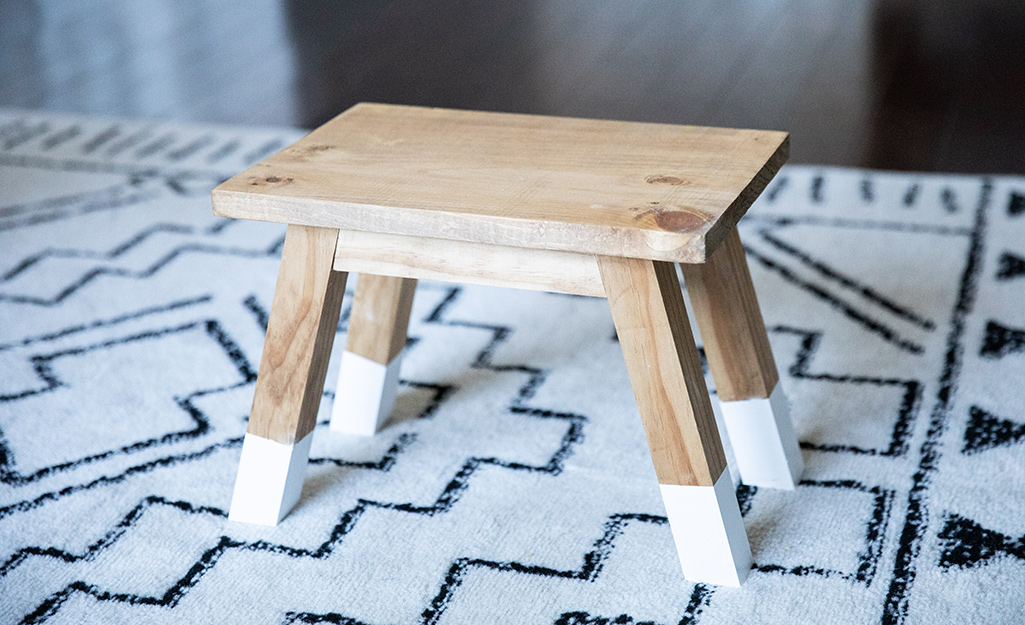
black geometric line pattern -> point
(876, 327)
(108, 480)
(1001, 340)
(917, 517)
(869, 556)
(986, 431)
(966, 544)
(150, 190)
(61, 136)
(449, 496)
(385, 463)
(98, 140)
(1016, 204)
(53, 209)
(846, 282)
(699, 598)
(1011, 266)
(108, 539)
(592, 564)
(42, 363)
(113, 321)
(859, 224)
(141, 274)
(800, 370)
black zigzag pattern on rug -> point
(963, 545)
(593, 561)
(43, 369)
(800, 369)
(875, 526)
(143, 273)
(449, 496)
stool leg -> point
(301, 329)
(369, 373)
(754, 408)
(651, 321)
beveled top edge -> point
(294, 187)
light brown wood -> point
(654, 191)
(730, 322)
(380, 317)
(460, 261)
(662, 360)
(301, 330)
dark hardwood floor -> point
(896, 84)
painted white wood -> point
(708, 531)
(763, 440)
(365, 394)
(270, 479)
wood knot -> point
(664, 179)
(671, 218)
(678, 221)
(271, 180)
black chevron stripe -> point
(109, 539)
(103, 323)
(591, 569)
(385, 463)
(144, 273)
(201, 424)
(875, 528)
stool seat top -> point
(639, 190)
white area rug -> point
(514, 484)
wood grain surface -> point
(300, 333)
(380, 317)
(730, 322)
(662, 360)
(461, 261)
(656, 191)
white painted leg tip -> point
(709, 532)
(270, 479)
(763, 440)
(365, 394)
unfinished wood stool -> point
(570, 205)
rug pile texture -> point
(513, 483)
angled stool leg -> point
(301, 329)
(754, 408)
(651, 321)
(369, 373)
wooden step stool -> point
(579, 206)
